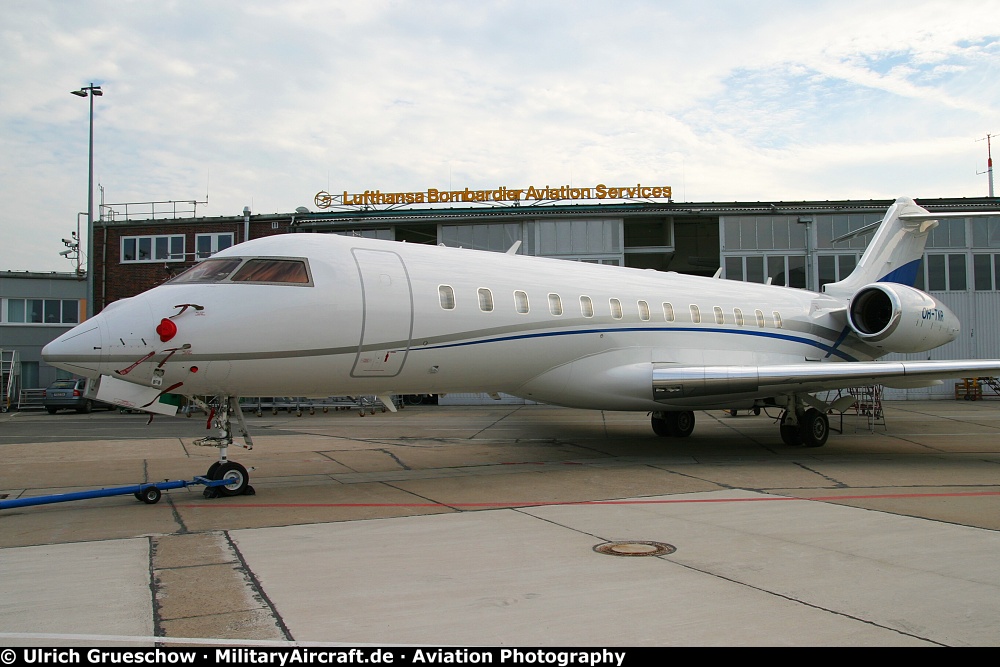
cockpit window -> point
(273, 271)
(209, 271)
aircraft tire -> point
(680, 424)
(814, 428)
(791, 434)
(660, 427)
(240, 478)
(211, 470)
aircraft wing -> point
(670, 382)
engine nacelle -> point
(897, 318)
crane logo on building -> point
(500, 195)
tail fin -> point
(895, 252)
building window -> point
(485, 300)
(786, 270)
(586, 306)
(207, 245)
(446, 294)
(43, 311)
(555, 304)
(521, 302)
(947, 272)
(167, 248)
(616, 309)
(986, 271)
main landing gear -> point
(809, 428)
(800, 425)
(237, 476)
(673, 424)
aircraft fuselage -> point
(384, 317)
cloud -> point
(266, 103)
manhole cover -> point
(635, 548)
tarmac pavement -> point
(478, 526)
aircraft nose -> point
(78, 350)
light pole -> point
(90, 91)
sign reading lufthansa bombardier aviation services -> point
(501, 195)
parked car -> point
(69, 395)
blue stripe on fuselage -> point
(830, 350)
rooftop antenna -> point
(989, 161)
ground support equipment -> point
(148, 493)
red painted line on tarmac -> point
(676, 501)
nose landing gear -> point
(237, 476)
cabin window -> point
(485, 300)
(521, 302)
(616, 309)
(447, 296)
(695, 314)
(668, 312)
(760, 318)
(555, 304)
(777, 319)
(738, 316)
(586, 306)
(643, 311)
(265, 270)
(720, 318)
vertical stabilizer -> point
(895, 252)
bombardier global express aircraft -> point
(329, 315)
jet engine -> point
(897, 318)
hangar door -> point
(388, 313)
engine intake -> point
(897, 318)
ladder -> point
(10, 377)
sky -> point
(235, 103)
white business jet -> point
(329, 315)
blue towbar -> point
(148, 493)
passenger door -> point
(388, 313)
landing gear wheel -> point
(673, 424)
(682, 423)
(790, 433)
(237, 476)
(814, 428)
(211, 470)
(150, 495)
